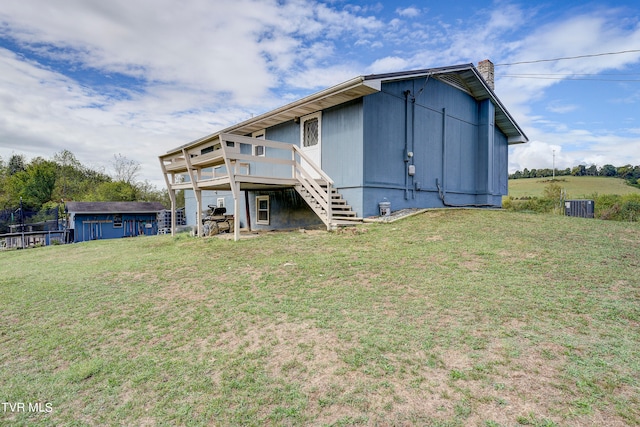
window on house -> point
(259, 150)
(220, 202)
(117, 221)
(310, 132)
(262, 207)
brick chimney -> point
(485, 68)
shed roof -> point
(465, 76)
(113, 207)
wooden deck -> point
(224, 163)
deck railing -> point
(229, 161)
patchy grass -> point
(577, 187)
(448, 318)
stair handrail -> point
(311, 163)
(320, 172)
(313, 188)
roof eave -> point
(335, 95)
(517, 137)
(356, 88)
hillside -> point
(577, 187)
(451, 317)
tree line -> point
(40, 186)
(629, 173)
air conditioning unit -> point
(579, 208)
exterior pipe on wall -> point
(406, 143)
(409, 135)
(413, 142)
(444, 156)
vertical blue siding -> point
(501, 163)
(342, 144)
(288, 132)
(453, 140)
(100, 226)
(342, 150)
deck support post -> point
(172, 195)
(200, 228)
(235, 186)
(197, 192)
(236, 212)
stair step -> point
(349, 221)
(344, 214)
(340, 208)
(341, 212)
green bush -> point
(547, 204)
(607, 206)
(617, 208)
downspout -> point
(413, 142)
(441, 191)
(406, 144)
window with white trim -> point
(117, 221)
(310, 129)
(259, 150)
(220, 202)
(262, 209)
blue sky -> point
(141, 77)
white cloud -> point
(538, 153)
(408, 12)
(388, 64)
(575, 147)
(559, 107)
(199, 66)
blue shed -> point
(110, 220)
(428, 138)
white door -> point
(311, 141)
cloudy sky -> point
(140, 77)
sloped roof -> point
(466, 75)
(467, 78)
(113, 207)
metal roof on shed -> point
(113, 207)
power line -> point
(568, 57)
(521, 76)
(571, 74)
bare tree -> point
(125, 170)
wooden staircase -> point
(317, 189)
(341, 213)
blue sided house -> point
(428, 138)
(111, 220)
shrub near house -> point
(608, 206)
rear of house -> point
(417, 139)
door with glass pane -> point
(311, 141)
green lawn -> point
(577, 187)
(448, 318)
